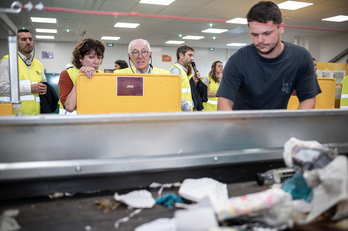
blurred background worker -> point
(184, 55)
(87, 57)
(120, 64)
(213, 82)
(139, 53)
(31, 75)
(264, 74)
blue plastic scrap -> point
(169, 199)
(297, 187)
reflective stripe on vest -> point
(185, 90)
(5, 99)
(212, 102)
(344, 93)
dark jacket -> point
(199, 94)
(49, 101)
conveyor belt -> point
(79, 212)
(49, 153)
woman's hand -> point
(88, 71)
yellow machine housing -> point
(325, 100)
(119, 92)
(6, 109)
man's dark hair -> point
(314, 59)
(183, 50)
(265, 11)
(23, 31)
(123, 64)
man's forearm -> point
(307, 104)
(224, 104)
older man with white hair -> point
(139, 53)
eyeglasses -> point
(136, 53)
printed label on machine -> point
(129, 86)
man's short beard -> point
(270, 51)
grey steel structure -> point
(46, 147)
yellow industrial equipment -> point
(325, 100)
(119, 92)
(6, 109)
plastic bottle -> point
(274, 176)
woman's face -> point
(219, 68)
(91, 60)
(117, 66)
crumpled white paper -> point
(137, 199)
(161, 224)
(197, 189)
(198, 219)
(7, 221)
(330, 189)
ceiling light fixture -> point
(236, 44)
(157, 2)
(214, 31)
(110, 38)
(44, 36)
(46, 30)
(126, 25)
(192, 37)
(43, 20)
(338, 18)
(174, 42)
(293, 5)
(238, 21)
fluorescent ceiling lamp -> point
(46, 30)
(44, 36)
(174, 42)
(293, 5)
(238, 21)
(193, 37)
(126, 25)
(157, 2)
(110, 38)
(236, 44)
(43, 20)
(338, 18)
(214, 31)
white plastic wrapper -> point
(331, 190)
(137, 199)
(197, 189)
(161, 224)
(254, 202)
(292, 143)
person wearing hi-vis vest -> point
(185, 56)
(139, 53)
(87, 57)
(30, 73)
(213, 82)
(344, 93)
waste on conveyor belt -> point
(312, 189)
